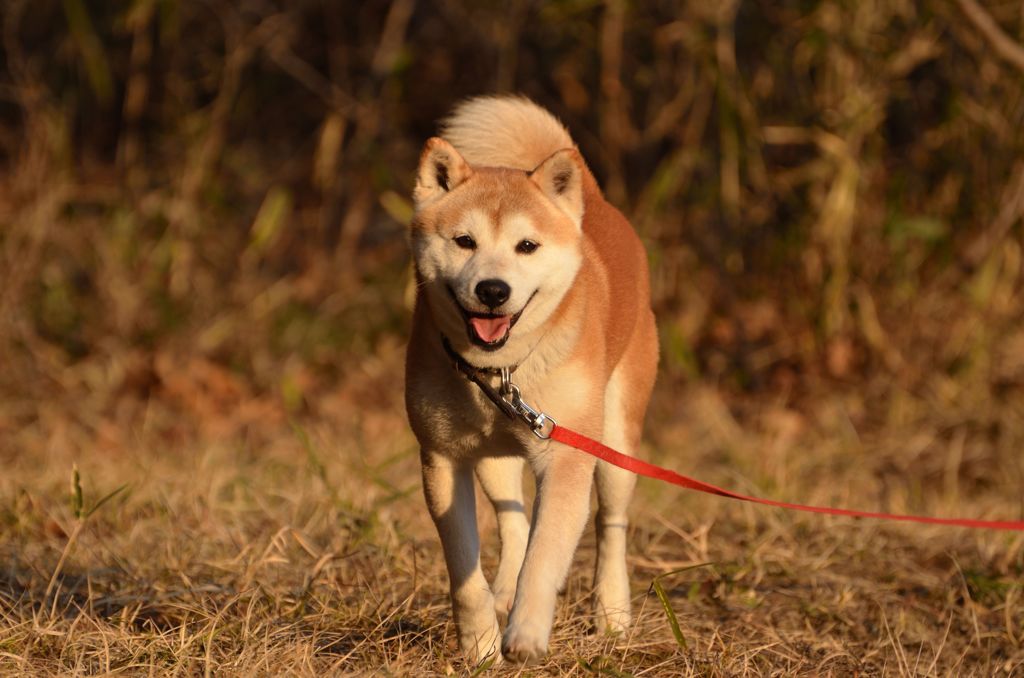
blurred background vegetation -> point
(203, 204)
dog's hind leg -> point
(502, 481)
(626, 398)
(614, 491)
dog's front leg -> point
(448, 486)
(561, 511)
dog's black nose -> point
(493, 293)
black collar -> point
(478, 375)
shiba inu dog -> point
(522, 264)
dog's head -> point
(495, 249)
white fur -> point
(539, 280)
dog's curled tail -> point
(504, 131)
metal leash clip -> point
(541, 424)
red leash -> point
(642, 468)
(509, 401)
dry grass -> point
(202, 209)
(306, 550)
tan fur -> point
(504, 132)
(585, 348)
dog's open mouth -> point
(489, 331)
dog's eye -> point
(527, 247)
(465, 242)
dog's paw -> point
(490, 661)
(481, 643)
(612, 622)
(611, 602)
(524, 643)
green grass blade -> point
(77, 502)
(669, 613)
(107, 498)
(484, 665)
(659, 591)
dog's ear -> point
(441, 170)
(561, 179)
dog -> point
(522, 264)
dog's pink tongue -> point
(491, 329)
